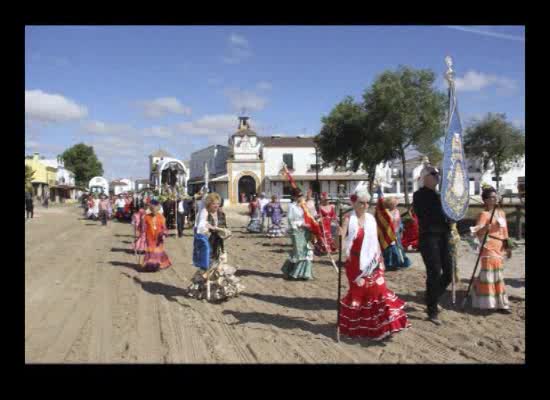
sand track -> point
(86, 303)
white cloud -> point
(238, 40)
(162, 106)
(48, 107)
(248, 100)
(102, 128)
(474, 81)
(263, 85)
(238, 51)
(210, 125)
(162, 132)
(31, 144)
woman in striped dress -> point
(489, 288)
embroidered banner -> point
(455, 183)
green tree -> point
(29, 176)
(410, 110)
(353, 139)
(82, 160)
(496, 142)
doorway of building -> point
(247, 187)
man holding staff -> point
(434, 240)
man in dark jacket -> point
(434, 237)
(29, 204)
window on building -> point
(288, 160)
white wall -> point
(303, 158)
(509, 179)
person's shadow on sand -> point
(120, 250)
(124, 264)
(445, 302)
(299, 303)
(328, 331)
(515, 282)
(248, 272)
(157, 288)
(282, 322)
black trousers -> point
(30, 212)
(180, 220)
(103, 217)
(437, 254)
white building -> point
(254, 163)
(141, 184)
(215, 158)
(64, 188)
(122, 186)
(508, 182)
(477, 176)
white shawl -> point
(370, 249)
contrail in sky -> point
(487, 33)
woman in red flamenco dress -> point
(410, 232)
(327, 214)
(369, 309)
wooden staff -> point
(478, 258)
(341, 216)
(325, 243)
(339, 277)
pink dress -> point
(140, 241)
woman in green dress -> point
(298, 264)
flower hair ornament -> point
(353, 198)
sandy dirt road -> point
(86, 303)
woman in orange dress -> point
(489, 289)
(155, 232)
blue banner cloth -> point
(455, 185)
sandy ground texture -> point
(86, 303)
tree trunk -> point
(497, 176)
(405, 181)
(371, 185)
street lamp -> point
(317, 185)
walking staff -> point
(340, 221)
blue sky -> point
(128, 90)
